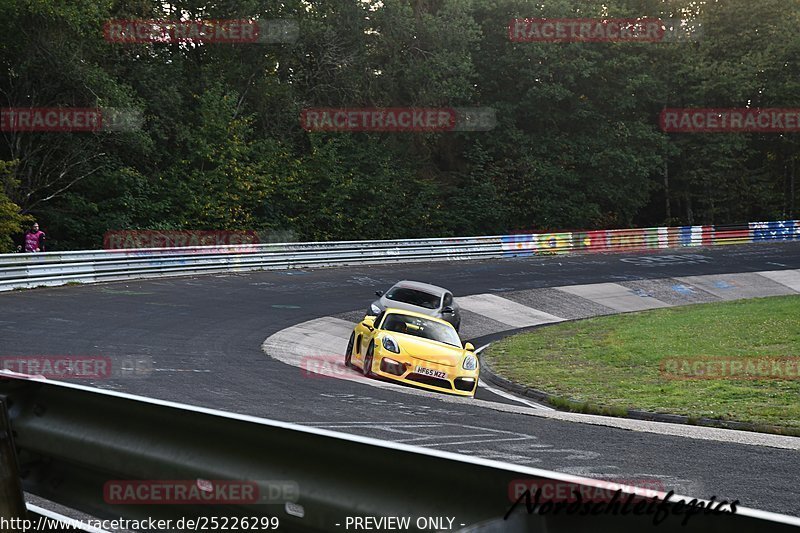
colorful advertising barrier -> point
(639, 239)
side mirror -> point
(369, 323)
(448, 310)
(373, 321)
(378, 293)
(469, 347)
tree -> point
(11, 221)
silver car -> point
(420, 297)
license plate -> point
(428, 372)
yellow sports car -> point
(415, 349)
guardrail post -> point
(12, 500)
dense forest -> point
(577, 141)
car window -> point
(421, 327)
(448, 300)
(414, 297)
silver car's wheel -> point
(348, 355)
(368, 360)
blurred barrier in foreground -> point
(78, 445)
(58, 268)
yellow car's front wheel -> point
(348, 356)
(368, 360)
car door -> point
(363, 337)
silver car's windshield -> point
(414, 297)
(421, 327)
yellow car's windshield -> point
(421, 327)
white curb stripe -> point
(505, 311)
(615, 296)
(788, 278)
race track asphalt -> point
(203, 335)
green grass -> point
(612, 364)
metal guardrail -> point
(12, 502)
(45, 520)
(73, 439)
(53, 268)
(58, 268)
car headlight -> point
(391, 344)
(375, 309)
(470, 362)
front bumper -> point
(456, 381)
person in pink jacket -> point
(34, 239)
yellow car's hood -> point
(430, 351)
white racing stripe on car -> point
(505, 311)
(508, 395)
